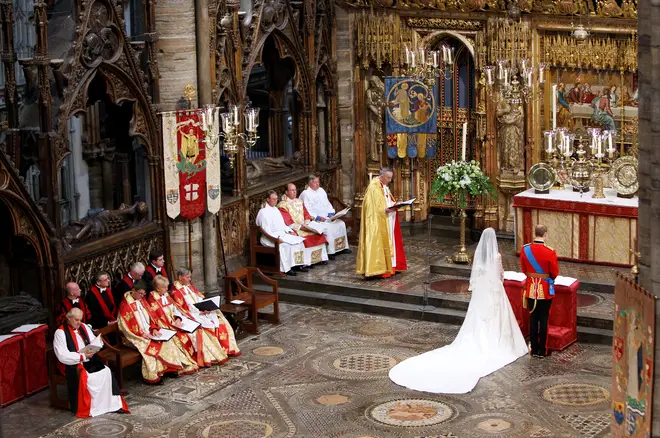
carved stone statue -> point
(375, 104)
(510, 139)
(270, 166)
(107, 222)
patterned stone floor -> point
(323, 374)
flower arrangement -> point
(460, 178)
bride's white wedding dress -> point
(488, 340)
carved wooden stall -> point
(80, 172)
(505, 130)
(278, 56)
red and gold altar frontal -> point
(580, 228)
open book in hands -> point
(90, 348)
(188, 325)
(403, 204)
(314, 227)
(164, 336)
(209, 304)
(340, 214)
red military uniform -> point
(539, 262)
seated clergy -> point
(92, 388)
(156, 267)
(136, 272)
(201, 345)
(72, 300)
(185, 294)
(101, 303)
(139, 323)
(319, 207)
(270, 221)
(295, 215)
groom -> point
(539, 262)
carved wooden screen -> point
(457, 96)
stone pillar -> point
(649, 170)
(177, 67)
(345, 22)
(206, 98)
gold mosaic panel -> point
(560, 234)
(613, 239)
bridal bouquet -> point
(460, 178)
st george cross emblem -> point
(214, 191)
(192, 192)
(172, 196)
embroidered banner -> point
(632, 369)
(192, 164)
(212, 127)
(170, 154)
(411, 114)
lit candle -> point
(464, 140)
(412, 59)
(609, 139)
(506, 77)
(554, 106)
(599, 149)
(435, 58)
(530, 77)
(407, 56)
(549, 140)
(422, 57)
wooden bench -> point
(256, 249)
(239, 285)
(116, 356)
(350, 219)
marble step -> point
(411, 310)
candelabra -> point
(427, 65)
(581, 166)
(514, 80)
(232, 138)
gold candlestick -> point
(598, 180)
(461, 256)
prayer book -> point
(564, 281)
(26, 328)
(314, 227)
(404, 203)
(291, 239)
(165, 335)
(514, 276)
(209, 304)
(340, 214)
(89, 348)
(188, 325)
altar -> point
(580, 228)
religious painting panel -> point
(633, 359)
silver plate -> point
(541, 177)
(624, 175)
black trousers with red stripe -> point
(538, 326)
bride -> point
(488, 340)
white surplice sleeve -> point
(96, 341)
(62, 352)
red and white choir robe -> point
(318, 205)
(150, 272)
(92, 388)
(185, 296)
(67, 304)
(136, 320)
(202, 346)
(102, 306)
(295, 214)
(270, 220)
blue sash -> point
(537, 269)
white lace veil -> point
(485, 280)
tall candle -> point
(464, 140)
(412, 59)
(554, 107)
(609, 138)
(599, 149)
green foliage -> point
(460, 178)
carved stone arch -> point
(287, 49)
(27, 225)
(431, 40)
(327, 79)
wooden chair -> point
(56, 378)
(239, 285)
(256, 249)
(117, 356)
(350, 219)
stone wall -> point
(345, 22)
(649, 169)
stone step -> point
(596, 332)
(439, 266)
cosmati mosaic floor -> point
(323, 373)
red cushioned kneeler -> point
(562, 330)
(12, 373)
(514, 290)
(34, 360)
